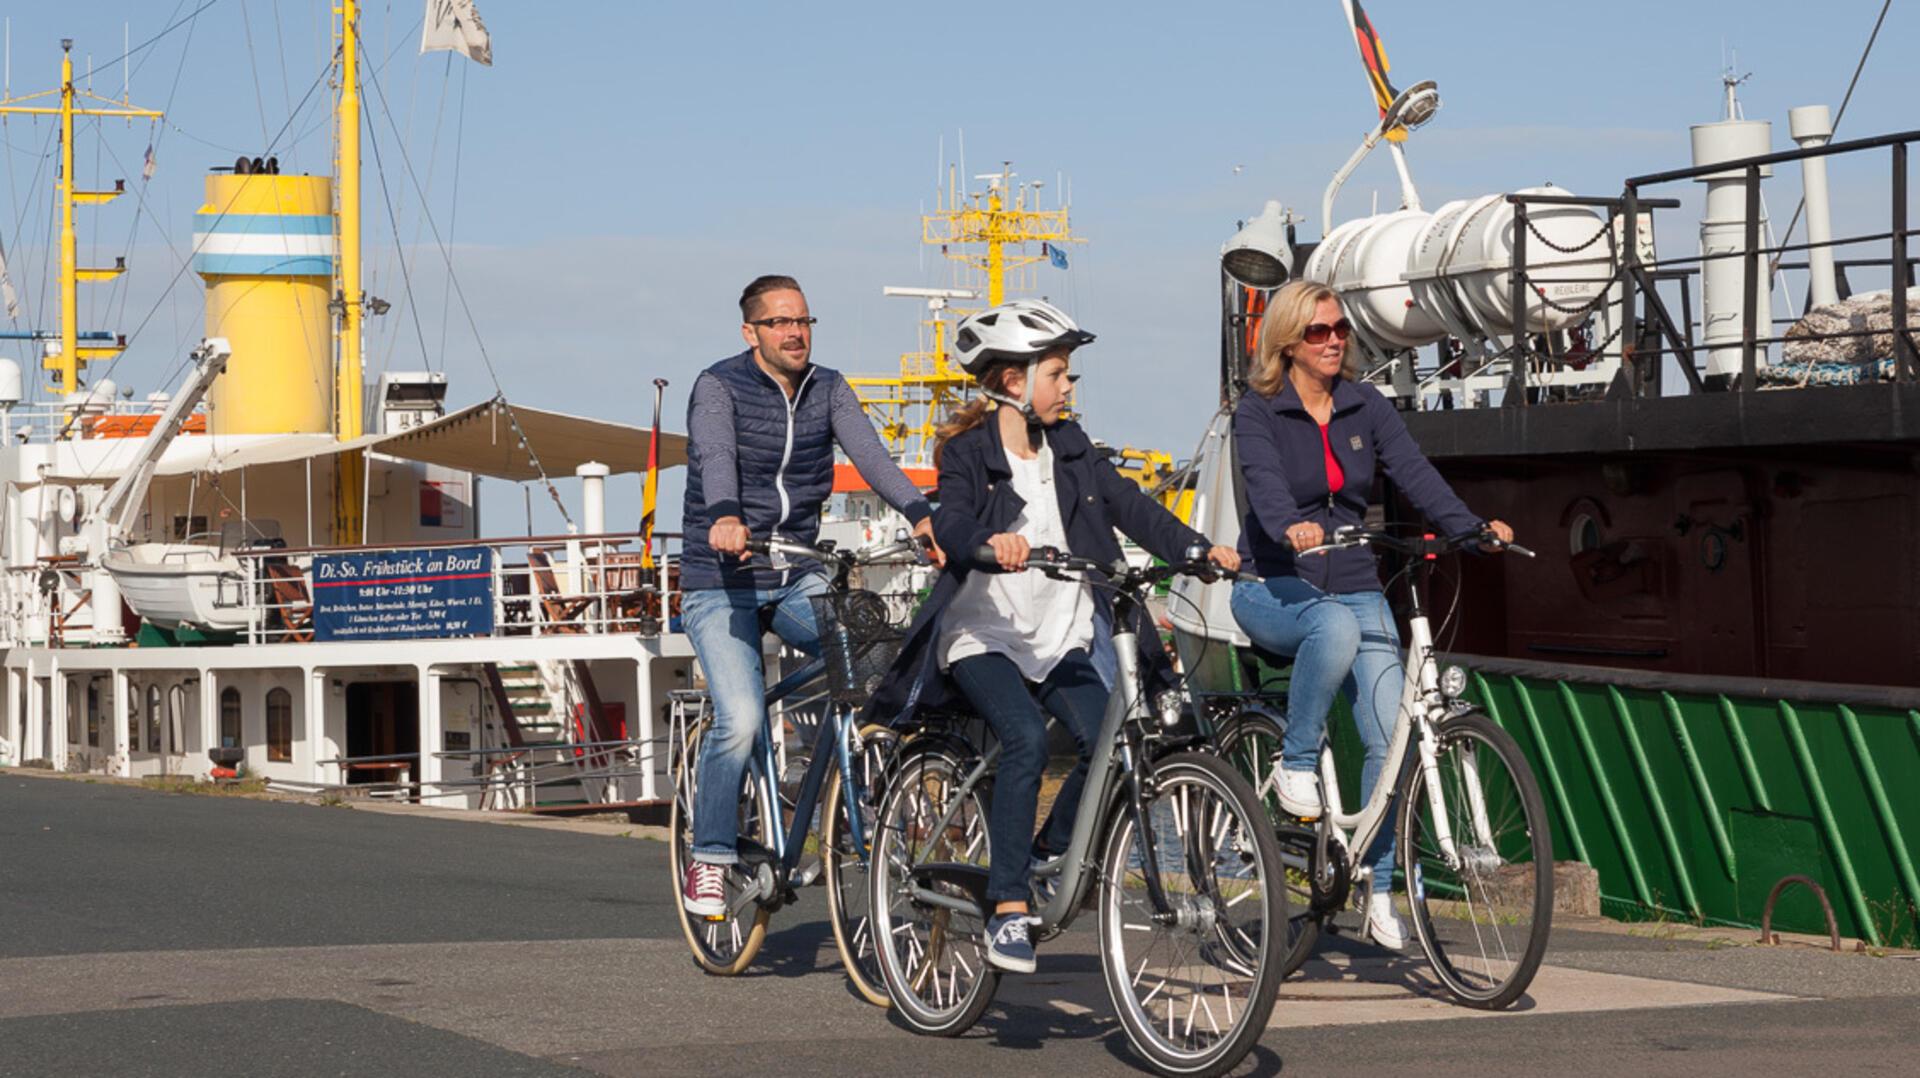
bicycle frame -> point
(1111, 771)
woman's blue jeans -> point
(1072, 693)
(1347, 643)
(724, 627)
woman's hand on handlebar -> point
(1010, 550)
(1305, 535)
(1500, 534)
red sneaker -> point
(705, 892)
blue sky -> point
(624, 168)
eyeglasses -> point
(1318, 332)
(783, 323)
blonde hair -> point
(1283, 326)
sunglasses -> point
(1318, 332)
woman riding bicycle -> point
(1307, 439)
(1014, 475)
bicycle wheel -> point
(932, 955)
(1194, 989)
(1250, 742)
(849, 896)
(725, 945)
(1484, 914)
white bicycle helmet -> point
(1019, 331)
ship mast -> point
(72, 356)
(349, 300)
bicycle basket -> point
(858, 640)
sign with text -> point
(402, 594)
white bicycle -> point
(1474, 845)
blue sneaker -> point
(1008, 947)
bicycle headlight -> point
(1453, 682)
(1169, 706)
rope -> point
(500, 393)
(1787, 236)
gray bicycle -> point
(1173, 843)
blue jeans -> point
(1072, 693)
(1344, 642)
(724, 626)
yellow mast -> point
(991, 220)
(66, 366)
(349, 478)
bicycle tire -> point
(1505, 880)
(1204, 816)
(1248, 741)
(849, 895)
(729, 952)
(914, 937)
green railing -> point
(1693, 796)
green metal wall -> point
(1693, 805)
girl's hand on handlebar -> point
(1500, 531)
(1225, 557)
(1010, 550)
(1305, 535)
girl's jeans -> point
(1072, 693)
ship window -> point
(93, 714)
(280, 726)
(153, 718)
(1584, 533)
(73, 718)
(230, 718)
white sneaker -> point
(1385, 925)
(1299, 792)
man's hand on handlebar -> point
(728, 536)
(923, 531)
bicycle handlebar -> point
(1053, 560)
(828, 553)
(1426, 546)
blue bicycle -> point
(859, 638)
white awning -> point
(491, 439)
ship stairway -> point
(549, 712)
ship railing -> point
(539, 586)
(46, 603)
(1652, 302)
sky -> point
(605, 189)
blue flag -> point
(1057, 256)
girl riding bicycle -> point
(1307, 439)
(1015, 475)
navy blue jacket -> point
(1284, 469)
(977, 501)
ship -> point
(1714, 665)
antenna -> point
(126, 62)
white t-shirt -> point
(1031, 618)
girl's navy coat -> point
(977, 501)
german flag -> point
(1373, 56)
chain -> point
(1605, 227)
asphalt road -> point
(144, 933)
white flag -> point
(147, 166)
(7, 294)
(453, 26)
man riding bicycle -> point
(761, 428)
